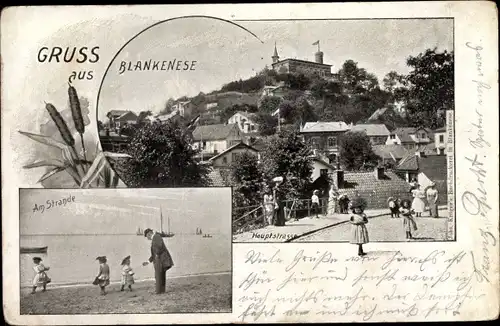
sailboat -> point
(167, 234)
(139, 231)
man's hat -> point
(125, 259)
(37, 259)
(316, 191)
(101, 258)
(147, 231)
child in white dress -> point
(127, 274)
(41, 278)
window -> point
(315, 142)
(332, 141)
(422, 135)
(204, 145)
(234, 156)
(441, 139)
(392, 136)
(224, 160)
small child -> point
(315, 202)
(359, 233)
(127, 274)
(41, 278)
(408, 221)
(102, 279)
(393, 206)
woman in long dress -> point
(332, 200)
(268, 206)
(279, 204)
(432, 198)
(418, 204)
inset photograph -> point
(120, 251)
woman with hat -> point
(102, 279)
(432, 198)
(359, 232)
(127, 274)
(279, 204)
(418, 204)
(268, 205)
(41, 278)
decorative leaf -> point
(44, 163)
(45, 140)
(94, 170)
(51, 173)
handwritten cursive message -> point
(475, 199)
(285, 285)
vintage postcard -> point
(250, 163)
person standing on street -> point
(432, 198)
(332, 200)
(160, 257)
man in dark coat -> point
(160, 257)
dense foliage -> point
(356, 152)
(161, 157)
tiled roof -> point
(408, 163)
(392, 151)
(213, 132)
(405, 133)
(372, 129)
(165, 117)
(434, 167)
(248, 115)
(442, 129)
(325, 126)
(215, 178)
(375, 191)
(328, 165)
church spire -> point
(275, 56)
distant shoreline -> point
(89, 283)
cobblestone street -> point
(385, 228)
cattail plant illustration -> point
(84, 173)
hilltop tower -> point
(275, 56)
(318, 57)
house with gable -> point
(377, 133)
(410, 137)
(227, 157)
(213, 139)
(324, 137)
(440, 140)
(119, 118)
(245, 121)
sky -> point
(225, 52)
(118, 211)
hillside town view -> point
(302, 140)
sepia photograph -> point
(303, 126)
(125, 251)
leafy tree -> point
(248, 178)
(356, 151)
(269, 104)
(168, 106)
(430, 86)
(286, 155)
(356, 80)
(267, 123)
(390, 118)
(297, 112)
(161, 157)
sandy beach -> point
(205, 293)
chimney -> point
(318, 57)
(339, 178)
(379, 172)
